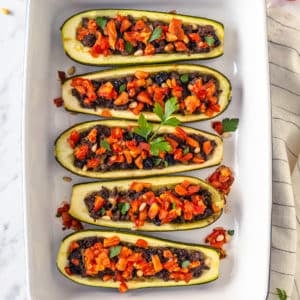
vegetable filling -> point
(182, 203)
(111, 259)
(102, 149)
(124, 35)
(195, 93)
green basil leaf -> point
(230, 125)
(209, 40)
(186, 150)
(156, 34)
(114, 251)
(184, 78)
(101, 22)
(185, 264)
(230, 232)
(128, 47)
(124, 207)
(104, 144)
(122, 88)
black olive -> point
(85, 22)
(157, 221)
(96, 84)
(161, 77)
(127, 136)
(170, 159)
(89, 40)
(138, 138)
(148, 163)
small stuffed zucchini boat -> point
(202, 93)
(123, 36)
(129, 261)
(113, 149)
(151, 204)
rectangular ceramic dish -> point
(244, 273)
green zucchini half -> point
(76, 51)
(64, 153)
(79, 210)
(72, 104)
(207, 276)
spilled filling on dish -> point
(110, 259)
(140, 204)
(195, 93)
(103, 149)
(125, 35)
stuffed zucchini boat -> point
(152, 204)
(128, 261)
(113, 149)
(123, 36)
(202, 93)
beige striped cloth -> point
(284, 57)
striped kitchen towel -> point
(284, 59)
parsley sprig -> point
(281, 294)
(145, 129)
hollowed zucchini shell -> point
(76, 51)
(71, 102)
(207, 276)
(64, 153)
(79, 210)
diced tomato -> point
(141, 243)
(58, 102)
(125, 25)
(107, 91)
(81, 151)
(175, 28)
(93, 163)
(150, 49)
(180, 133)
(218, 127)
(74, 138)
(144, 98)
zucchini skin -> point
(79, 211)
(209, 276)
(79, 53)
(64, 153)
(72, 104)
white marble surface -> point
(12, 254)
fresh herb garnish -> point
(281, 294)
(156, 34)
(173, 205)
(230, 232)
(209, 40)
(128, 47)
(101, 22)
(230, 125)
(185, 264)
(104, 144)
(102, 211)
(144, 128)
(159, 144)
(186, 150)
(157, 161)
(122, 88)
(184, 78)
(114, 251)
(166, 164)
(124, 207)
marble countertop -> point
(12, 254)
